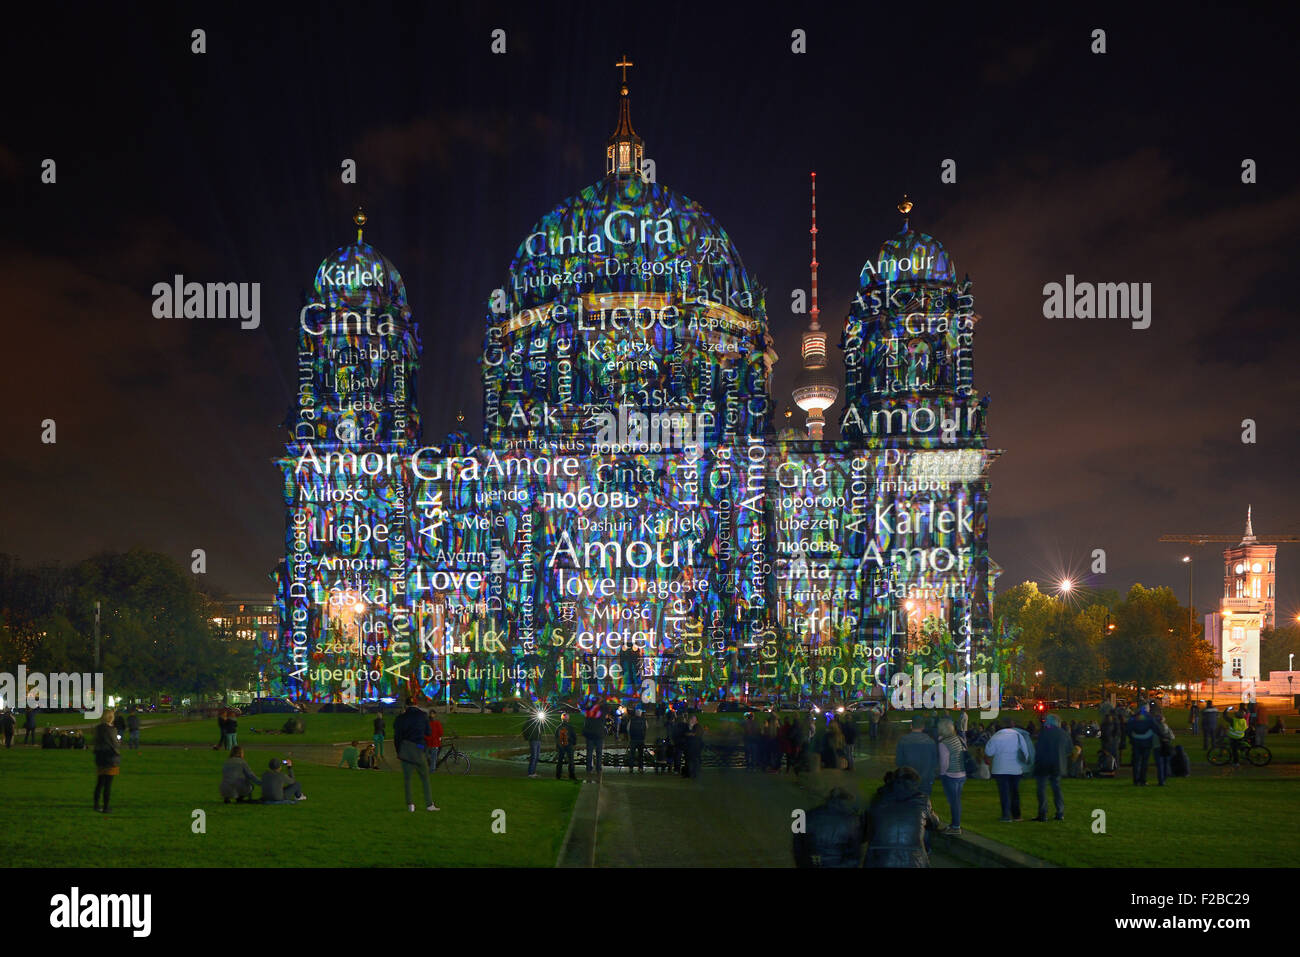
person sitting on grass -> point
(368, 761)
(350, 756)
(279, 787)
(237, 778)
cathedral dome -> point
(624, 235)
(358, 276)
(911, 256)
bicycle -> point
(1256, 754)
(453, 758)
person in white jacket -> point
(1009, 752)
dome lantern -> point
(624, 150)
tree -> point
(1022, 617)
(1275, 644)
(1071, 654)
(1150, 639)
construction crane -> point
(1234, 539)
(1250, 538)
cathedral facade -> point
(633, 519)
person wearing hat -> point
(1142, 736)
(278, 784)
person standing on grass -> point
(917, 750)
(1005, 752)
(8, 726)
(133, 730)
(108, 757)
(1142, 735)
(566, 740)
(636, 732)
(221, 729)
(694, 747)
(433, 742)
(29, 725)
(1209, 724)
(378, 736)
(1051, 760)
(533, 735)
(409, 732)
(1193, 716)
(1164, 751)
(952, 770)
(850, 738)
(593, 732)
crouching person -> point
(237, 778)
(279, 786)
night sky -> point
(1122, 167)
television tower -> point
(815, 389)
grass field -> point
(1215, 818)
(1218, 817)
(350, 818)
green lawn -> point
(1212, 819)
(350, 819)
(1215, 818)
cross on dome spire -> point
(624, 149)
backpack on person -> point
(1025, 752)
(1106, 764)
(562, 736)
(968, 761)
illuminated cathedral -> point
(634, 518)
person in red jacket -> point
(433, 740)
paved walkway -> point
(726, 818)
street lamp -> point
(1191, 605)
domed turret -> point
(627, 296)
(909, 349)
(357, 276)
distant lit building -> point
(249, 617)
(1247, 607)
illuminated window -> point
(624, 157)
(1270, 589)
(1254, 588)
(1236, 666)
(1241, 588)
